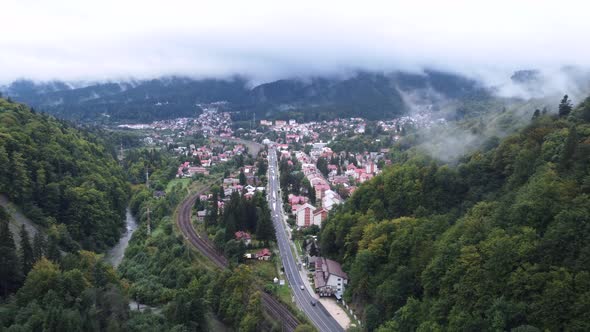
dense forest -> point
(61, 177)
(497, 241)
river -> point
(115, 255)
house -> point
(329, 279)
(244, 237)
(263, 255)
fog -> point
(268, 40)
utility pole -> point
(149, 224)
(147, 177)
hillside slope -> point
(61, 177)
(498, 242)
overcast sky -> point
(264, 40)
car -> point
(302, 287)
(313, 302)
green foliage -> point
(56, 172)
(26, 251)
(495, 242)
(80, 295)
(10, 271)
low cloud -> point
(268, 40)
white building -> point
(329, 279)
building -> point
(263, 255)
(304, 215)
(244, 237)
(307, 215)
(329, 279)
(319, 215)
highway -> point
(316, 313)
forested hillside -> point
(64, 179)
(371, 95)
(498, 242)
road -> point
(316, 313)
(276, 309)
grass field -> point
(183, 182)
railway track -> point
(273, 307)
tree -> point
(565, 107)
(322, 165)
(264, 227)
(53, 252)
(243, 180)
(10, 273)
(569, 149)
(313, 250)
(26, 251)
(21, 182)
(39, 246)
(536, 114)
(4, 169)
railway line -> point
(273, 307)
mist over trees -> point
(498, 241)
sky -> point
(267, 40)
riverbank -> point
(116, 254)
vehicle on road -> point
(302, 287)
(313, 302)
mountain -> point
(370, 95)
(495, 242)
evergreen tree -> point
(569, 149)
(26, 251)
(4, 167)
(264, 227)
(243, 180)
(53, 252)
(536, 114)
(39, 246)
(21, 182)
(565, 107)
(10, 273)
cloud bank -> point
(267, 40)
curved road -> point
(183, 219)
(312, 308)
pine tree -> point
(26, 251)
(53, 252)
(39, 246)
(4, 167)
(10, 273)
(243, 180)
(569, 149)
(21, 182)
(565, 107)
(264, 227)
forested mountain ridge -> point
(370, 95)
(499, 241)
(63, 178)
